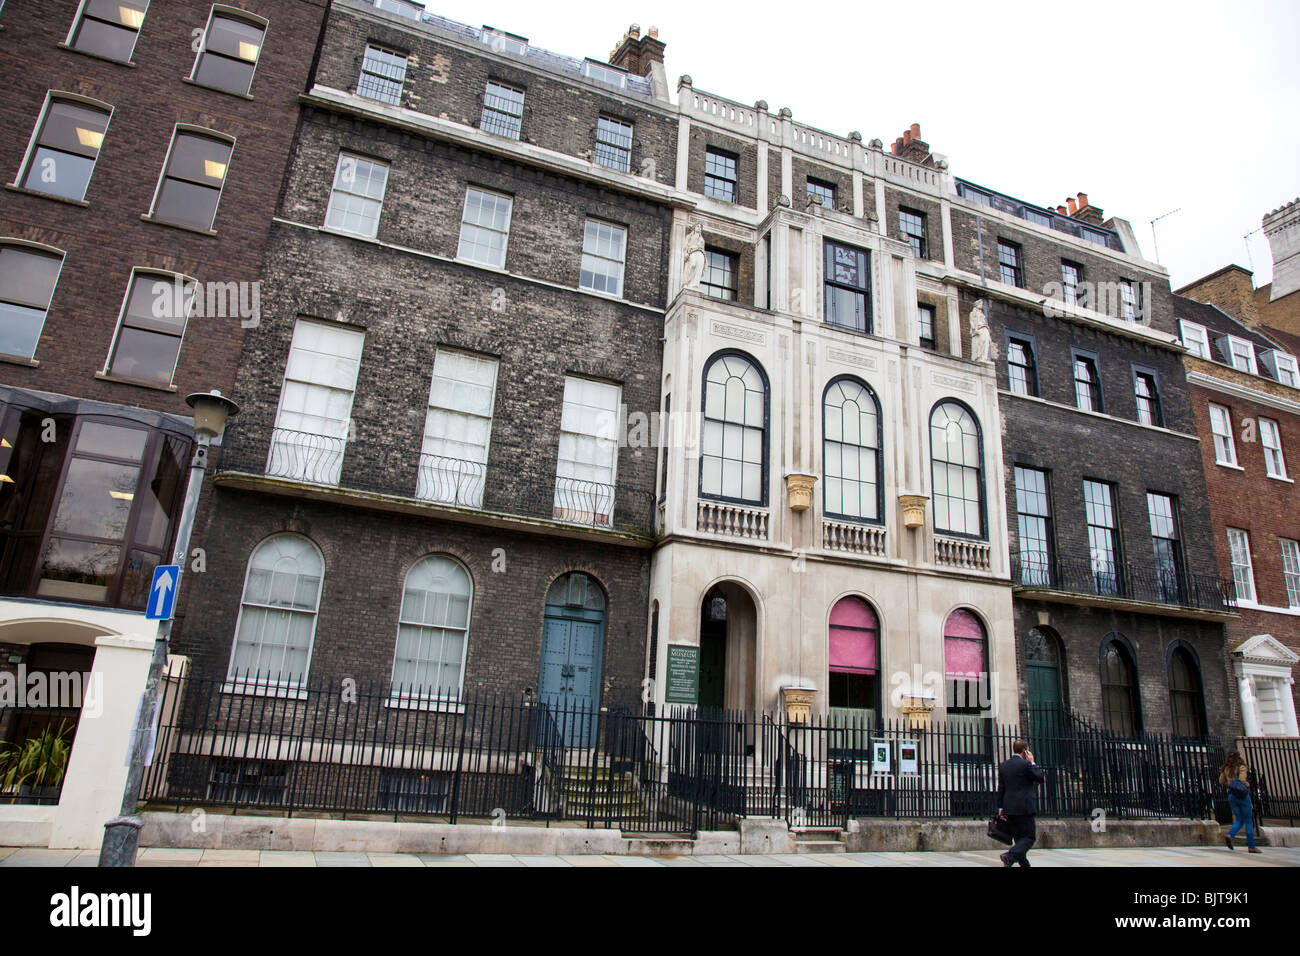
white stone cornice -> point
(1036, 301)
(1243, 391)
(435, 127)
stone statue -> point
(981, 341)
(693, 256)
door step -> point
(817, 839)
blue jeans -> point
(1243, 815)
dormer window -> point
(604, 74)
(1241, 353)
(503, 42)
(1195, 338)
(1282, 365)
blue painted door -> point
(570, 677)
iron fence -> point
(377, 750)
(1156, 584)
(1275, 762)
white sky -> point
(1146, 106)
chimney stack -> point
(911, 147)
(636, 53)
(1085, 212)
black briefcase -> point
(1000, 830)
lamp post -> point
(122, 833)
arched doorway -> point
(728, 637)
(573, 644)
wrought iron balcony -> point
(584, 502)
(451, 481)
(304, 456)
(1124, 581)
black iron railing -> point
(368, 461)
(1124, 580)
(305, 456)
(1275, 762)
(343, 749)
(451, 481)
(584, 502)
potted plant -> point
(35, 768)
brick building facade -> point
(144, 149)
(1119, 604)
(1245, 390)
(449, 399)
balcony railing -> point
(451, 481)
(304, 456)
(963, 553)
(1123, 581)
(584, 502)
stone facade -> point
(781, 566)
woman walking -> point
(1233, 775)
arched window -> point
(957, 470)
(433, 630)
(965, 656)
(851, 450)
(733, 453)
(854, 686)
(1186, 696)
(277, 615)
(1119, 688)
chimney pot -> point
(916, 131)
(1073, 208)
(634, 31)
(1083, 200)
(907, 136)
(654, 32)
(1061, 210)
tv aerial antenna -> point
(1154, 241)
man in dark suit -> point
(1018, 775)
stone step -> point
(818, 846)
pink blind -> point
(853, 637)
(963, 644)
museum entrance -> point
(728, 637)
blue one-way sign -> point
(162, 593)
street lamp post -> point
(122, 833)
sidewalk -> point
(1125, 857)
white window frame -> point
(401, 84)
(423, 489)
(76, 22)
(335, 189)
(466, 223)
(232, 13)
(1195, 338)
(597, 257)
(624, 151)
(63, 259)
(1286, 362)
(1291, 570)
(1233, 343)
(1243, 569)
(32, 142)
(163, 276)
(286, 448)
(514, 134)
(604, 73)
(408, 695)
(1270, 437)
(237, 684)
(1223, 440)
(605, 439)
(167, 162)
